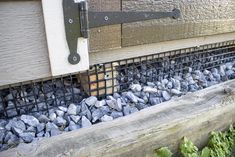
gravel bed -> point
(30, 128)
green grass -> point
(220, 144)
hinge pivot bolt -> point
(70, 21)
(106, 18)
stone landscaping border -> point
(193, 115)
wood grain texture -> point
(198, 18)
(194, 115)
(23, 46)
(106, 37)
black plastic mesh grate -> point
(118, 75)
(108, 78)
(39, 96)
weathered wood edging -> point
(193, 115)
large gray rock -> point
(166, 96)
(91, 101)
(47, 134)
(106, 118)
(169, 85)
(114, 104)
(133, 109)
(96, 115)
(85, 122)
(62, 108)
(116, 95)
(29, 120)
(50, 126)
(13, 141)
(31, 129)
(59, 113)
(75, 119)
(193, 87)
(129, 110)
(211, 77)
(164, 82)
(79, 108)
(155, 100)
(151, 84)
(85, 111)
(222, 70)
(40, 127)
(126, 110)
(99, 104)
(59, 121)
(9, 124)
(230, 74)
(17, 127)
(217, 77)
(116, 114)
(136, 87)
(2, 135)
(27, 137)
(131, 97)
(3, 123)
(149, 89)
(184, 86)
(176, 92)
(72, 126)
(105, 110)
(141, 106)
(140, 100)
(8, 136)
(160, 86)
(43, 118)
(52, 116)
(176, 84)
(206, 72)
(40, 134)
(55, 132)
(3, 147)
(72, 109)
(229, 66)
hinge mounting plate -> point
(78, 20)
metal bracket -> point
(78, 21)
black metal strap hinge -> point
(78, 20)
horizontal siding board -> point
(198, 18)
(23, 46)
(107, 37)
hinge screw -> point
(106, 18)
(70, 21)
(75, 59)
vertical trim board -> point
(57, 44)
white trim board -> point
(56, 40)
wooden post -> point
(100, 80)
